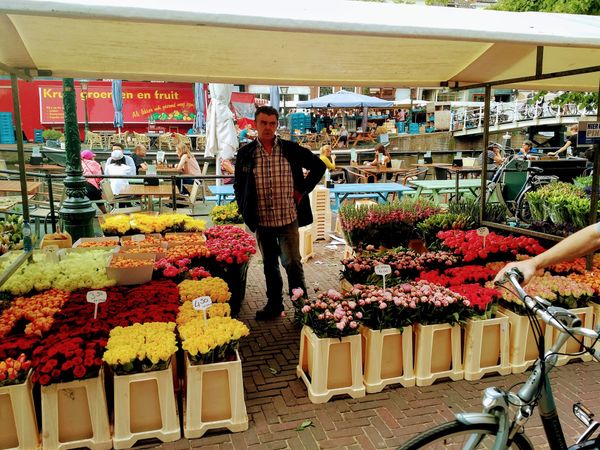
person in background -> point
(139, 153)
(118, 166)
(327, 158)
(343, 136)
(525, 152)
(581, 243)
(244, 138)
(92, 167)
(381, 150)
(227, 166)
(187, 166)
(494, 157)
(272, 195)
(570, 142)
(128, 159)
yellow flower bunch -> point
(146, 224)
(226, 214)
(140, 347)
(213, 340)
(187, 312)
(215, 287)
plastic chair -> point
(112, 201)
(93, 139)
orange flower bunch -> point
(143, 249)
(185, 239)
(37, 310)
(592, 279)
(567, 267)
(126, 263)
(98, 244)
(191, 250)
(148, 241)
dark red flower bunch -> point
(12, 346)
(230, 244)
(470, 245)
(457, 276)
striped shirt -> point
(274, 187)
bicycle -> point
(494, 428)
(533, 182)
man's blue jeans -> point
(275, 243)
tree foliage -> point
(588, 7)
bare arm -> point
(562, 149)
(182, 163)
(581, 243)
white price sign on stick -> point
(202, 304)
(383, 270)
(96, 297)
(483, 232)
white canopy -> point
(409, 102)
(334, 42)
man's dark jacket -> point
(299, 158)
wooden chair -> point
(118, 138)
(112, 201)
(141, 139)
(184, 203)
(93, 140)
(165, 139)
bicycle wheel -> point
(455, 434)
(522, 209)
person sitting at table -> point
(139, 152)
(244, 138)
(494, 159)
(525, 152)
(90, 166)
(385, 160)
(187, 166)
(343, 141)
(329, 159)
(118, 166)
(128, 159)
(227, 166)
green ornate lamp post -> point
(77, 212)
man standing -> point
(272, 196)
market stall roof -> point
(335, 42)
(344, 99)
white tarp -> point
(313, 43)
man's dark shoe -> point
(268, 313)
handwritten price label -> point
(96, 297)
(202, 303)
(483, 231)
(383, 269)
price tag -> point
(138, 238)
(383, 270)
(483, 231)
(96, 297)
(202, 304)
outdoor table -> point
(15, 186)
(44, 168)
(362, 136)
(382, 190)
(162, 190)
(437, 187)
(376, 170)
(223, 192)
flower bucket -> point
(486, 347)
(75, 414)
(235, 275)
(572, 346)
(438, 353)
(330, 366)
(387, 358)
(145, 407)
(214, 398)
(523, 348)
(18, 427)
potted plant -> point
(226, 214)
(52, 136)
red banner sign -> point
(158, 102)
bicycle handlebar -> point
(515, 277)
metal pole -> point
(486, 137)
(595, 184)
(20, 151)
(85, 111)
(51, 200)
(173, 193)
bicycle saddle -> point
(535, 170)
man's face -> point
(116, 148)
(526, 148)
(266, 127)
(141, 152)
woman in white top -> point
(118, 166)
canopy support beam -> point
(484, 158)
(595, 185)
(539, 61)
(544, 76)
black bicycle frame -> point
(549, 416)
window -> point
(302, 97)
(325, 90)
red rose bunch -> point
(12, 346)
(470, 245)
(230, 244)
(482, 298)
(457, 276)
(179, 269)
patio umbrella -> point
(200, 122)
(345, 99)
(221, 137)
(274, 90)
(117, 101)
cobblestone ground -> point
(278, 404)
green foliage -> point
(442, 222)
(51, 134)
(588, 7)
(494, 212)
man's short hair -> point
(118, 145)
(528, 143)
(268, 110)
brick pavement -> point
(278, 403)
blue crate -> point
(413, 128)
(37, 135)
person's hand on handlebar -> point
(527, 268)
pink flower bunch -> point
(470, 245)
(559, 290)
(179, 269)
(405, 264)
(329, 316)
(405, 212)
(230, 244)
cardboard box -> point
(49, 239)
(131, 275)
(125, 251)
(112, 239)
(126, 239)
(172, 241)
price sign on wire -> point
(383, 270)
(96, 297)
(202, 304)
(483, 232)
